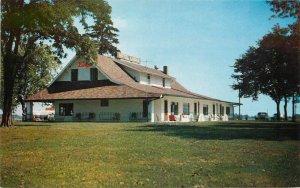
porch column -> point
(29, 111)
(152, 110)
(162, 111)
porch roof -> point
(97, 92)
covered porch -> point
(101, 110)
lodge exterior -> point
(123, 90)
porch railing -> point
(105, 117)
(109, 116)
(139, 116)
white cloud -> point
(120, 22)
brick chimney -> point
(165, 70)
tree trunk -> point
(7, 108)
(285, 108)
(10, 67)
(278, 109)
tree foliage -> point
(271, 68)
(34, 75)
(31, 24)
(285, 8)
(289, 9)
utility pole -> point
(239, 104)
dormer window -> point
(74, 75)
(94, 74)
(149, 79)
(164, 82)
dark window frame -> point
(205, 109)
(221, 110)
(227, 110)
(74, 75)
(166, 111)
(66, 109)
(186, 106)
(93, 74)
(145, 108)
(149, 79)
(195, 108)
(163, 82)
(174, 108)
(104, 102)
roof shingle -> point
(120, 85)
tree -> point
(34, 75)
(270, 69)
(33, 23)
(104, 32)
(285, 9)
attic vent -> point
(128, 58)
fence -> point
(106, 117)
(139, 116)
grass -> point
(150, 155)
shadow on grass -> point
(227, 131)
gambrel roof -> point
(118, 86)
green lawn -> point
(150, 155)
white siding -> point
(143, 79)
(132, 73)
(158, 111)
(83, 73)
(154, 80)
(122, 106)
(168, 83)
(125, 106)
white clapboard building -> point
(123, 90)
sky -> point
(198, 40)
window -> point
(104, 102)
(166, 106)
(227, 110)
(149, 78)
(164, 82)
(94, 73)
(66, 109)
(145, 108)
(174, 108)
(74, 75)
(214, 109)
(195, 108)
(221, 110)
(205, 109)
(186, 108)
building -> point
(123, 90)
